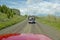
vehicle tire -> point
(29, 22)
(33, 22)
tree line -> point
(8, 11)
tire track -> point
(27, 29)
(14, 28)
(35, 29)
(51, 32)
(38, 29)
(20, 27)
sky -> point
(34, 7)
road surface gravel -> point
(38, 28)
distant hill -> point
(16, 11)
(9, 11)
(5, 9)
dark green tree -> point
(0, 8)
(8, 11)
(4, 9)
(12, 13)
(8, 14)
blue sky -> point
(13, 3)
(34, 7)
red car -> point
(24, 37)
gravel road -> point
(38, 28)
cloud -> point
(36, 7)
(53, 1)
(33, 1)
(42, 7)
(13, 3)
(23, 11)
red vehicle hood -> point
(24, 37)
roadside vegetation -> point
(50, 20)
(9, 16)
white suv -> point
(31, 20)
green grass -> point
(5, 22)
(50, 21)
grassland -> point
(5, 22)
(52, 21)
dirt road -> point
(38, 28)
